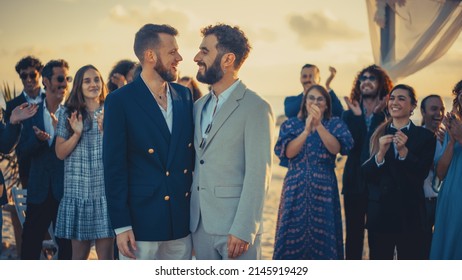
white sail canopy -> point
(407, 35)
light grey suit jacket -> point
(233, 170)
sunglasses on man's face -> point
(370, 78)
(31, 75)
(61, 79)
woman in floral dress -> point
(309, 220)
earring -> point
(412, 113)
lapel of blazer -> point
(225, 112)
(149, 105)
(198, 107)
(177, 123)
(39, 121)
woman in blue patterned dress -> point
(309, 220)
(82, 214)
(447, 237)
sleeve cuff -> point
(379, 164)
(122, 229)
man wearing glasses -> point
(233, 140)
(46, 177)
(366, 105)
(29, 69)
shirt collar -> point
(406, 127)
(226, 93)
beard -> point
(212, 74)
(163, 72)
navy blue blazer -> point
(9, 136)
(47, 171)
(147, 170)
(396, 197)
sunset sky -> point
(284, 35)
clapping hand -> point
(380, 106)
(40, 134)
(54, 120)
(353, 105)
(23, 112)
(400, 140)
(316, 113)
(118, 79)
(76, 122)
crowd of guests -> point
(145, 165)
(396, 177)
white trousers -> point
(179, 249)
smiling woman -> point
(402, 155)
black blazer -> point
(23, 161)
(47, 171)
(396, 197)
(353, 181)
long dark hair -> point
(76, 101)
(380, 131)
(327, 113)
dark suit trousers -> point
(355, 206)
(38, 219)
(409, 246)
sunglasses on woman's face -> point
(31, 75)
(61, 79)
(363, 78)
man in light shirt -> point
(432, 109)
(148, 153)
(233, 140)
(46, 177)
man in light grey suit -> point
(233, 142)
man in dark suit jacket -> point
(148, 153)
(28, 69)
(366, 112)
(46, 178)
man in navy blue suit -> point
(28, 69)
(46, 177)
(148, 153)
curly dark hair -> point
(456, 91)
(384, 82)
(29, 61)
(230, 39)
(148, 37)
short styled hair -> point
(148, 37)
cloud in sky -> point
(155, 12)
(316, 29)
